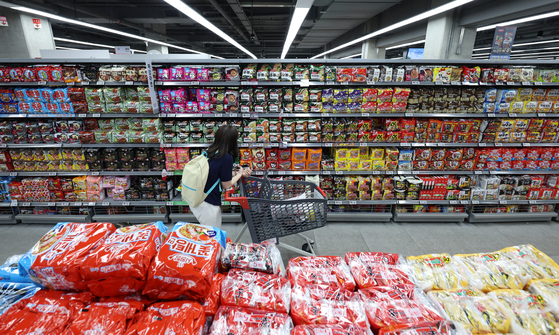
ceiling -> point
(259, 25)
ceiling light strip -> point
(299, 14)
(522, 44)
(526, 19)
(194, 15)
(405, 45)
(93, 26)
(352, 56)
(422, 16)
(92, 44)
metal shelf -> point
(430, 217)
(6, 219)
(132, 218)
(188, 217)
(353, 115)
(80, 173)
(511, 217)
(309, 83)
(358, 217)
(79, 145)
(85, 83)
(36, 218)
(82, 115)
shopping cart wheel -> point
(306, 247)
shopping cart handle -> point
(321, 191)
(241, 200)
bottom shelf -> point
(132, 218)
(512, 217)
(8, 219)
(225, 217)
(430, 217)
(359, 217)
(35, 218)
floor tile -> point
(530, 233)
(335, 239)
(389, 237)
(437, 238)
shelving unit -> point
(379, 211)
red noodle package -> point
(175, 317)
(422, 328)
(120, 265)
(244, 321)
(54, 262)
(185, 264)
(307, 310)
(104, 318)
(47, 312)
(212, 301)
(330, 330)
(320, 270)
(376, 269)
(256, 290)
(128, 298)
(262, 257)
(386, 293)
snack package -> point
(330, 329)
(533, 262)
(490, 271)
(319, 304)
(54, 262)
(120, 265)
(213, 300)
(437, 272)
(548, 290)
(321, 270)
(473, 310)
(9, 272)
(527, 312)
(256, 290)
(432, 327)
(263, 257)
(164, 318)
(235, 320)
(371, 269)
(105, 317)
(186, 262)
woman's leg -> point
(207, 214)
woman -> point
(221, 155)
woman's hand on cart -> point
(247, 172)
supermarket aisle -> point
(339, 238)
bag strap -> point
(214, 185)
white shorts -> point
(207, 214)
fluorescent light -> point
(422, 16)
(191, 13)
(92, 44)
(549, 58)
(397, 58)
(482, 54)
(533, 43)
(63, 48)
(93, 26)
(299, 14)
(526, 19)
(479, 49)
(351, 56)
(405, 44)
(530, 50)
(536, 53)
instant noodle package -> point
(262, 257)
(120, 265)
(376, 269)
(185, 264)
(321, 270)
(330, 329)
(54, 262)
(437, 272)
(244, 321)
(174, 317)
(104, 318)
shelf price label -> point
(362, 144)
(542, 114)
(532, 202)
(170, 203)
(482, 144)
(455, 83)
(475, 202)
(538, 83)
(129, 83)
(52, 174)
(96, 115)
(526, 83)
(498, 144)
(526, 144)
(337, 202)
(95, 173)
(478, 172)
(511, 83)
(404, 144)
(422, 202)
(100, 82)
(126, 203)
(77, 204)
(281, 173)
(50, 204)
(328, 144)
(365, 114)
(464, 202)
(339, 172)
(41, 83)
(91, 204)
(13, 203)
(82, 115)
(376, 172)
(64, 204)
(491, 115)
(13, 174)
(453, 202)
(26, 204)
(353, 202)
(503, 202)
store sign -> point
(3, 21)
(122, 50)
(37, 24)
(502, 42)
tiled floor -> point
(339, 238)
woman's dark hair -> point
(225, 142)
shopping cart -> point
(278, 208)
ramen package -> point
(262, 257)
(330, 330)
(533, 262)
(256, 290)
(236, 320)
(331, 306)
(164, 318)
(120, 265)
(471, 309)
(104, 317)
(321, 270)
(54, 262)
(376, 269)
(213, 300)
(431, 327)
(437, 272)
(186, 263)
(548, 290)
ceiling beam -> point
(218, 7)
(237, 8)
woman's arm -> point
(228, 184)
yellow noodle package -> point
(548, 292)
(437, 272)
(533, 263)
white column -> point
(20, 39)
(369, 48)
(438, 33)
(152, 46)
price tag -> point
(503, 202)
(82, 115)
(326, 172)
(441, 144)
(194, 83)
(330, 83)
(91, 204)
(464, 202)
(219, 115)
(246, 115)
(438, 83)
(50, 204)
(404, 144)
(259, 173)
(353, 202)
(328, 144)
(376, 172)
(362, 144)
(415, 83)
(96, 115)
(482, 144)
(77, 204)
(3, 145)
(415, 172)
(64, 204)
(158, 83)
(477, 172)
(337, 202)
(325, 115)
(491, 115)
(170, 203)
(511, 83)
(526, 144)
(542, 114)
(126, 203)
(281, 173)
(71, 83)
(344, 83)
(52, 173)
(26, 204)
(513, 115)
(418, 144)
(455, 83)
(13, 174)
(100, 82)
(84, 83)
(13, 203)
(538, 83)
(389, 172)
(482, 83)
(42, 82)
(422, 202)
(365, 114)
(475, 202)
(532, 202)
(408, 114)
(499, 84)
(167, 145)
(245, 82)
(339, 172)
(498, 144)
(233, 115)
(453, 202)
(526, 83)
(129, 83)
(95, 173)
(304, 83)
(198, 115)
